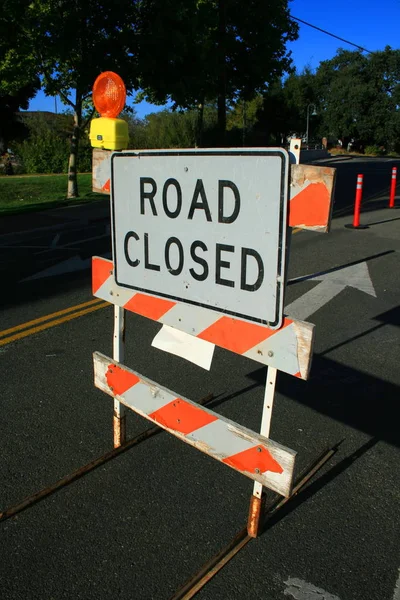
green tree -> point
(18, 67)
(12, 126)
(43, 152)
(68, 43)
(300, 97)
(18, 76)
(170, 129)
(346, 95)
(360, 96)
(195, 51)
(243, 118)
(74, 42)
(46, 148)
(384, 72)
(167, 129)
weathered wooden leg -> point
(256, 502)
(119, 419)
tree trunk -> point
(200, 122)
(73, 157)
(221, 71)
(3, 145)
(244, 124)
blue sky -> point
(368, 23)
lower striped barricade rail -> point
(250, 453)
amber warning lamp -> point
(109, 95)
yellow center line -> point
(47, 321)
(49, 317)
(53, 323)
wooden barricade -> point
(281, 343)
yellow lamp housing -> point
(109, 133)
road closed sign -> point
(203, 227)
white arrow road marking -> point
(356, 276)
(75, 263)
(55, 240)
(70, 265)
(301, 590)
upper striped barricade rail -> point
(311, 191)
(249, 453)
(287, 349)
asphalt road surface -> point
(143, 523)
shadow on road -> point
(352, 263)
(355, 398)
(319, 483)
(377, 179)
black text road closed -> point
(205, 227)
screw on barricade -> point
(393, 188)
(357, 205)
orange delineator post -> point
(393, 187)
(357, 205)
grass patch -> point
(342, 151)
(38, 192)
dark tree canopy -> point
(19, 79)
(356, 96)
(360, 96)
(218, 57)
(11, 125)
(67, 44)
(194, 51)
(191, 52)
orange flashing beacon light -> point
(109, 95)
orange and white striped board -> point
(101, 170)
(249, 453)
(311, 191)
(287, 349)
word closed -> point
(203, 227)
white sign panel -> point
(204, 227)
